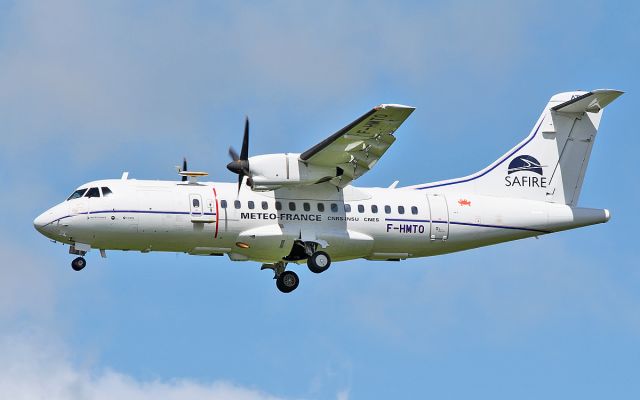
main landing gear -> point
(288, 281)
(78, 263)
(318, 262)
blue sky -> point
(90, 89)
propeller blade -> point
(233, 154)
(240, 163)
(240, 178)
(184, 168)
(244, 152)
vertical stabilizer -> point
(550, 163)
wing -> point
(357, 147)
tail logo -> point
(525, 163)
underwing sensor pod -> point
(294, 208)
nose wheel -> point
(78, 263)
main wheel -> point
(287, 282)
(319, 262)
(78, 263)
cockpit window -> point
(78, 193)
(93, 192)
(105, 191)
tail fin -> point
(548, 165)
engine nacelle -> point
(273, 171)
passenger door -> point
(439, 216)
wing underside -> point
(357, 147)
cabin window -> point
(374, 208)
(292, 206)
(347, 207)
(105, 191)
(223, 204)
(387, 209)
(306, 206)
(278, 206)
(320, 207)
(93, 192)
(400, 209)
(360, 208)
(414, 210)
(265, 205)
(236, 204)
(251, 205)
(334, 207)
(196, 203)
(77, 194)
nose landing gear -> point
(79, 249)
(78, 263)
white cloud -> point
(37, 362)
(31, 370)
(343, 395)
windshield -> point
(77, 193)
(93, 192)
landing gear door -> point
(439, 217)
(195, 204)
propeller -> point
(240, 164)
(184, 168)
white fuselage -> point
(382, 224)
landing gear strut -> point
(78, 263)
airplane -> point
(291, 208)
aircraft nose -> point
(41, 220)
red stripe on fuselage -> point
(215, 196)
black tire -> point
(287, 282)
(319, 262)
(78, 263)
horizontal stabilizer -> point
(593, 101)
